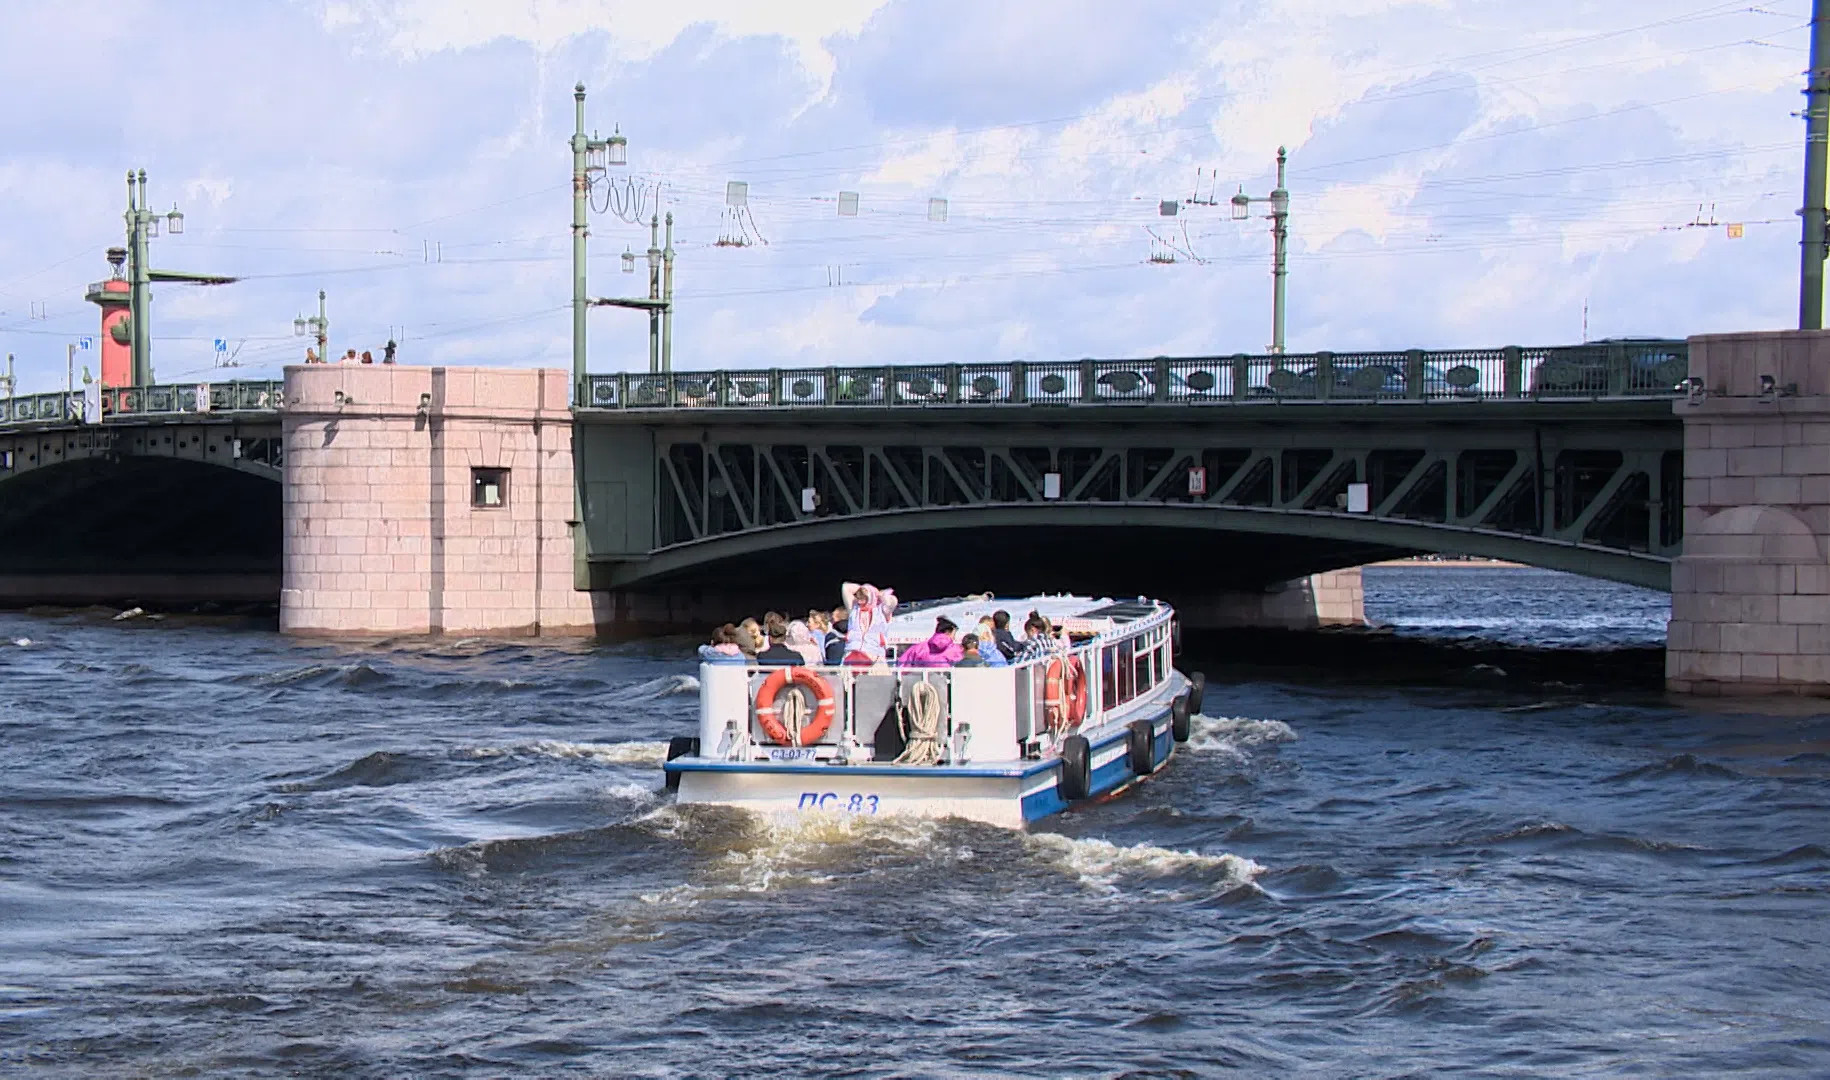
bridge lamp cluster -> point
(174, 223)
(601, 154)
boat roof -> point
(1080, 614)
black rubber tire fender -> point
(1197, 692)
(680, 746)
(1140, 747)
(1076, 768)
(1180, 724)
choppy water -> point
(227, 854)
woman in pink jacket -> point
(938, 651)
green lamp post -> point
(143, 225)
(1280, 235)
(591, 159)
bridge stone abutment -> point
(428, 500)
(1334, 598)
(1750, 595)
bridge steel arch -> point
(1348, 540)
(686, 496)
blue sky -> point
(1463, 173)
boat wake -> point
(623, 753)
(1104, 867)
(1236, 733)
(764, 853)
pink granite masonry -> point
(1750, 596)
(381, 536)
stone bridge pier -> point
(428, 501)
(1750, 595)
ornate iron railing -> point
(176, 399)
(1613, 369)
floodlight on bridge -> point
(174, 221)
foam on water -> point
(623, 753)
(1236, 733)
(1103, 866)
(794, 850)
(651, 689)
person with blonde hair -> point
(867, 621)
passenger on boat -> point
(750, 638)
(1040, 642)
(969, 652)
(835, 637)
(940, 650)
(1000, 632)
(778, 654)
(867, 634)
(990, 653)
(800, 639)
(723, 647)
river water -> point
(223, 853)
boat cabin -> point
(850, 715)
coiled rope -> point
(921, 726)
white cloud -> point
(1463, 172)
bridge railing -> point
(1608, 369)
(174, 399)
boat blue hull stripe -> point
(1036, 805)
(1109, 777)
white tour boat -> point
(1005, 745)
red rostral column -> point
(115, 298)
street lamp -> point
(1280, 235)
(590, 159)
(143, 225)
(319, 325)
(659, 303)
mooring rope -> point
(921, 726)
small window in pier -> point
(488, 488)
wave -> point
(1102, 865)
(1236, 733)
(358, 675)
(624, 753)
(1552, 834)
(1680, 765)
(1806, 854)
(383, 768)
(662, 686)
(764, 853)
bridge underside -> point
(1184, 504)
(128, 530)
(937, 556)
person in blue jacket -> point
(723, 647)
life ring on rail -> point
(769, 715)
(1064, 692)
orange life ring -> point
(1077, 691)
(1064, 692)
(770, 717)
